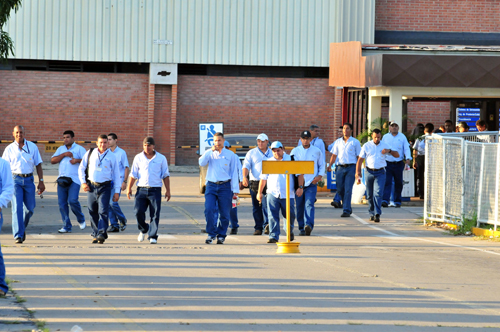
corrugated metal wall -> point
(229, 32)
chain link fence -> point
(462, 178)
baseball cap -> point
(149, 141)
(276, 145)
(305, 134)
(227, 144)
(262, 137)
(394, 123)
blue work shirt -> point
(121, 156)
(102, 167)
(317, 142)
(310, 154)
(373, 154)
(22, 161)
(149, 172)
(253, 162)
(346, 152)
(276, 183)
(420, 145)
(397, 143)
(6, 184)
(66, 168)
(221, 167)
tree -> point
(6, 43)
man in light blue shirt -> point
(315, 140)
(222, 186)
(276, 195)
(345, 153)
(395, 166)
(69, 157)
(23, 156)
(375, 152)
(252, 166)
(115, 212)
(6, 192)
(102, 169)
(150, 169)
(308, 187)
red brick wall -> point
(48, 103)
(162, 128)
(279, 107)
(435, 112)
(442, 15)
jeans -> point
(115, 212)
(345, 181)
(144, 198)
(218, 197)
(274, 205)
(69, 195)
(233, 217)
(305, 206)
(259, 211)
(375, 182)
(394, 170)
(3, 284)
(23, 204)
(338, 197)
(421, 175)
(98, 202)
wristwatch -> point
(40, 180)
(301, 187)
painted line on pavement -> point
(186, 214)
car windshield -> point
(245, 141)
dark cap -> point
(149, 141)
(305, 134)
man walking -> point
(97, 171)
(306, 193)
(276, 194)
(149, 168)
(6, 192)
(23, 156)
(375, 152)
(69, 157)
(115, 212)
(345, 152)
(253, 166)
(315, 140)
(419, 158)
(222, 185)
(395, 165)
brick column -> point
(151, 110)
(173, 124)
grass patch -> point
(11, 323)
(466, 227)
(354, 323)
(40, 325)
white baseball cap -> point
(262, 137)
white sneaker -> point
(83, 225)
(153, 241)
(63, 230)
(141, 236)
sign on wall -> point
(206, 132)
(469, 115)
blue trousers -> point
(115, 212)
(345, 181)
(3, 283)
(233, 217)
(274, 206)
(375, 182)
(305, 206)
(394, 170)
(69, 195)
(23, 204)
(218, 198)
(98, 203)
(148, 198)
(259, 211)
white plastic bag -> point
(358, 191)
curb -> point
(485, 232)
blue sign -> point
(470, 116)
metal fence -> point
(462, 178)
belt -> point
(346, 165)
(23, 175)
(219, 182)
(395, 162)
(148, 187)
(375, 169)
(97, 184)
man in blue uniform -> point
(6, 192)
(115, 212)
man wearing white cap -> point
(276, 198)
(253, 166)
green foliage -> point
(6, 43)
(366, 134)
(466, 226)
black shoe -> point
(257, 232)
(308, 230)
(220, 240)
(234, 231)
(377, 218)
(24, 236)
(372, 218)
(345, 215)
(302, 233)
(335, 204)
(18, 240)
(100, 239)
(384, 204)
(398, 206)
(113, 229)
(204, 231)
(272, 240)
(94, 240)
(266, 230)
(292, 237)
(123, 225)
